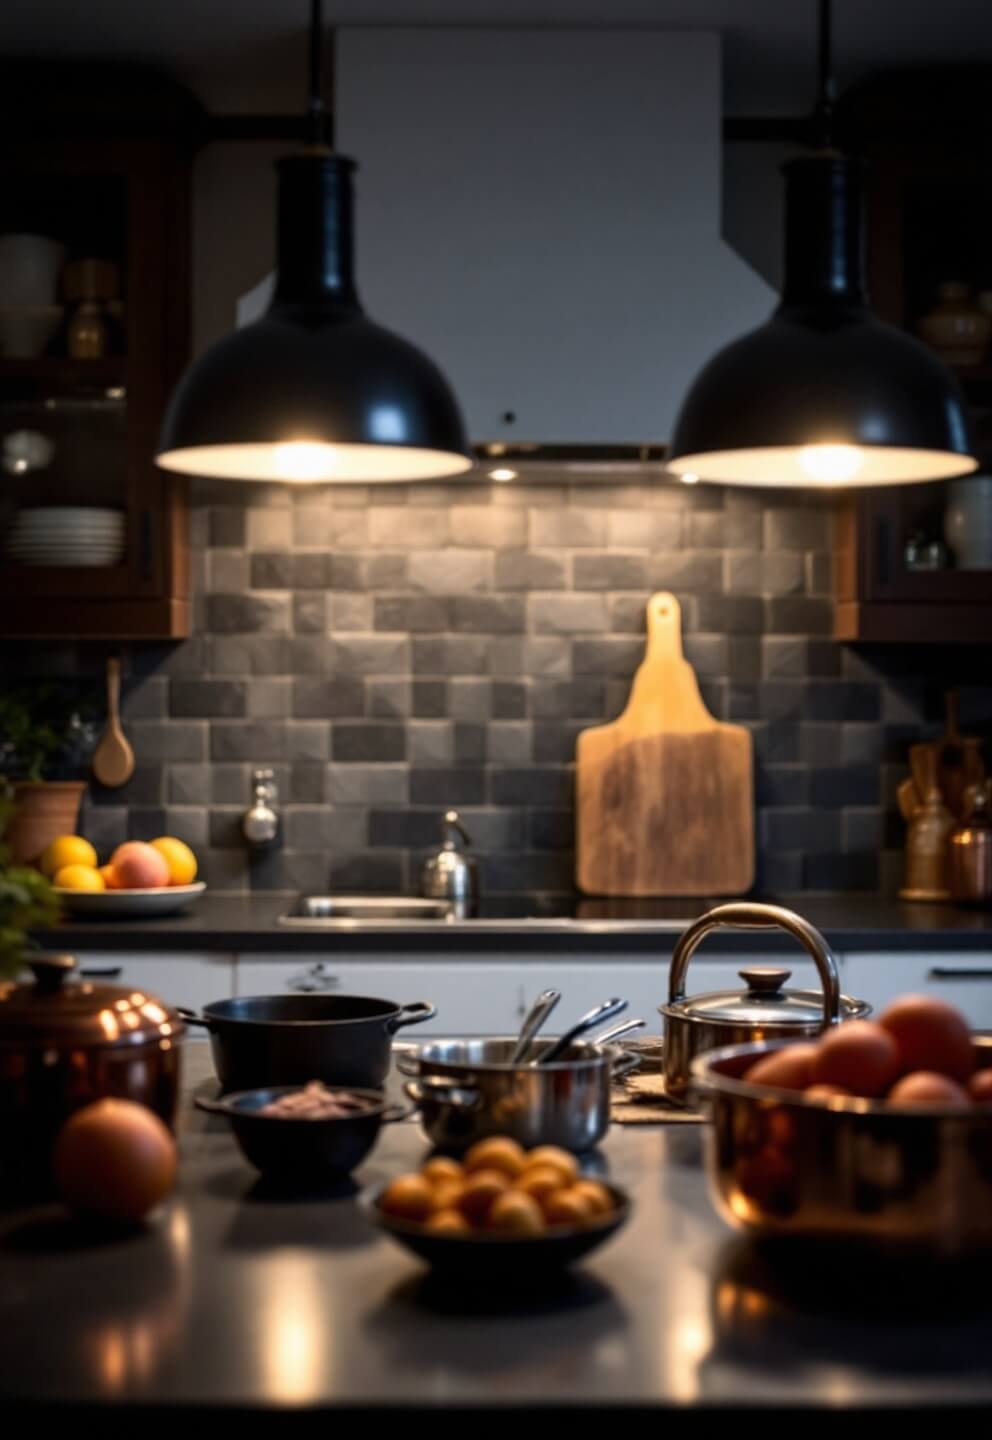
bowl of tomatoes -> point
(877, 1133)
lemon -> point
(179, 858)
(67, 850)
(79, 877)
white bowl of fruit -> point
(140, 878)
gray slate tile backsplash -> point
(392, 651)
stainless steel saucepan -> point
(765, 1010)
(467, 1090)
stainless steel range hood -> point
(539, 209)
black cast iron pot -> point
(268, 1040)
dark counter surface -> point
(249, 922)
(233, 1298)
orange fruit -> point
(66, 850)
(107, 871)
(78, 877)
(179, 858)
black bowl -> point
(291, 1147)
(494, 1258)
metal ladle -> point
(533, 1020)
(589, 1021)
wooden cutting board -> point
(665, 793)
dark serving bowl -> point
(494, 1258)
(291, 1147)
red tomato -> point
(926, 1087)
(789, 1069)
(825, 1092)
(929, 1035)
(859, 1056)
(980, 1087)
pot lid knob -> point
(765, 981)
(50, 971)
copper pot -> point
(765, 1010)
(65, 1043)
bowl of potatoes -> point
(500, 1209)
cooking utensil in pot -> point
(268, 1040)
(499, 1259)
(765, 1010)
(297, 1149)
(610, 1037)
(589, 1021)
(853, 1170)
(467, 1090)
(533, 1020)
(66, 1042)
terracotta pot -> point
(44, 809)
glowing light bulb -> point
(304, 460)
(502, 473)
(831, 464)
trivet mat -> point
(642, 1101)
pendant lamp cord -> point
(826, 92)
(319, 122)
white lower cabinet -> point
(472, 996)
(480, 996)
(188, 978)
(964, 980)
(642, 983)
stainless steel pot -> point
(467, 1090)
(861, 1171)
(765, 1010)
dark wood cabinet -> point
(928, 220)
(116, 187)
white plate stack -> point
(66, 535)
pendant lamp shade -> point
(823, 394)
(314, 390)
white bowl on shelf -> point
(25, 330)
(29, 269)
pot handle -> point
(406, 1062)
(625, 1062)
(394, 1113)
(749, 915)
(413, 1014)
(190, 1017)
(212, 1107)
(444, 1091)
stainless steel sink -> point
(317, 910)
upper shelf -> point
(64, 371)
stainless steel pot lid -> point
(764, 1002)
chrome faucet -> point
(260, 822)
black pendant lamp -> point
(314, 390)
(823, 394)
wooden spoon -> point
(113, 758)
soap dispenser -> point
(450, 874)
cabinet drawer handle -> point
(316, 978)
(947, 972)
(101, 972)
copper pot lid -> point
(765, 1003)
(57, 1010)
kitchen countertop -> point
(248, 922)
(235, 1298)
